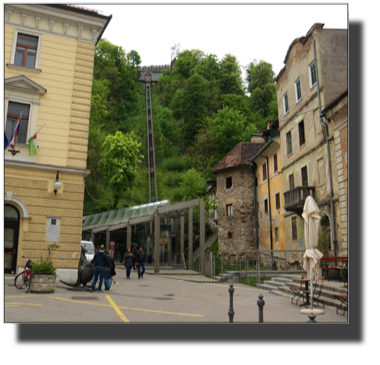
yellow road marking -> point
(12, 305)
(21, 296)
(21, 303)
(133, 309)
(118, 311)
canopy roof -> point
(120, 218)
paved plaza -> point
(154, 299)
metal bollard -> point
(231, 312)
(312, 317)
(261, 304)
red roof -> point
(82, 8)
(241, 155)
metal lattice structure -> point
(150, 145)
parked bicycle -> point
(22, 280)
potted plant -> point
(44, 273)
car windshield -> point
(89, 247)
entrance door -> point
(11, 227)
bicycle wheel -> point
(27, 284)
(19, 281)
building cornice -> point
(33, 166)
(67, 16)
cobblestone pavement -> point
(153, 299)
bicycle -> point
(23, 279)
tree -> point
(261, 85)
(120, 159)
(193, 105)
(112, 64)
(228, 129)
(192, 184)
(230, 79)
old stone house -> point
(305, 143)
(48, 68)
(235, 183)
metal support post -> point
(231, 312)
(261, 304)
(108, 234)
(182, 239)
(202, 235)
(190, 265)
(156, 242)
(129, 236)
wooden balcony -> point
(295, 199)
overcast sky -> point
(262, 32)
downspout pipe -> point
(254, 167)
(328, 153)
(270, 211)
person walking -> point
(141, 263)
(128, 262)
(135, 252)
(100, 262)
(109, 271)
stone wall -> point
(242, 223)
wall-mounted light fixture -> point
(57, 184)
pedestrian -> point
(128, 262)
(109, 271)
(100, 262)
(141, 263)
(135, 252)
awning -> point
(120, 218)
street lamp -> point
(57, 184)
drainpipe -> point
(255, 203)
(270, 212)
(328, 153)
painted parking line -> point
(20, 296)
(117, 310)
(133, 309)
(18, 304)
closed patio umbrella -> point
(312, 256)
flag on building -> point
(33, 145)
(15, 134)
(32, 141)
(6, 142)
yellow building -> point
(48, 68)
(271, 211)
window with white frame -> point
(313, 74)
(229, 209)
(298, 90)
(26, 49)
(15, 110)
(286, 104)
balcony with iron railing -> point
(295, 199)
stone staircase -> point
(228, 277)
(208, 243)
(280, 285)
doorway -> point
(324, 237)
(11, 229)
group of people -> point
(104, 269)
(133, 258)
(105, 266)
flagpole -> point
(38, 130)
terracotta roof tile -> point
(240, 155)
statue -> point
(85, 271)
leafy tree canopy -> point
(120, 159)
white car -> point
(89, 246)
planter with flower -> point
(44, 273)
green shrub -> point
(45, 267)
(176, 163)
